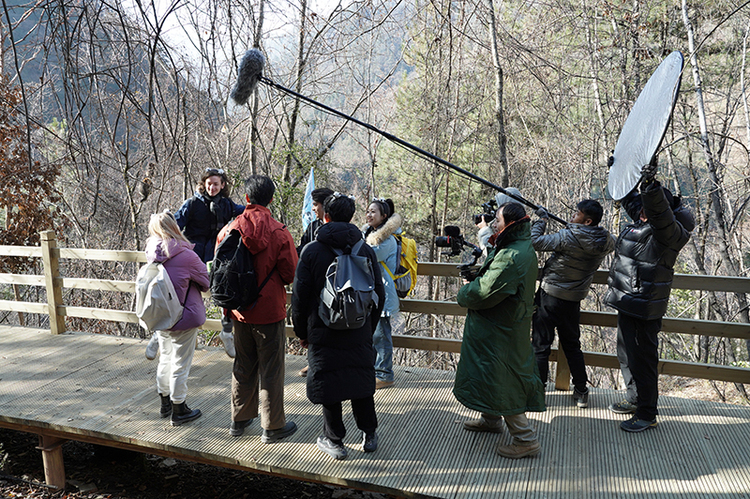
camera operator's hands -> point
(541, 212)
(482, 224)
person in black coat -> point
(340, 361)
(640, 281)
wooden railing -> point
(51, 254)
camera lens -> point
(443, 241)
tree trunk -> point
(499, 116)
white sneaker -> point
(152, 349)
(228, 340)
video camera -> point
(456, 242)
(488, 214)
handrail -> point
(50, 254)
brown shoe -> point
(482, 424)
(379, 383)
(516, 451)
(302, 373)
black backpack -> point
(348, 296)
(234, 283)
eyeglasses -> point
(215, 171)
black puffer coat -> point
(341, 363)
(201, 224)
(640, 279)
(578, 251)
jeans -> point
(382, 342)
(176, 356)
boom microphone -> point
(250, 72)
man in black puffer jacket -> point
(341, 362)
(640, 281)
(578, 250)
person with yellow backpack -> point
(383, 224)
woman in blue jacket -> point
(382, 223)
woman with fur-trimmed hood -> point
(382, 223)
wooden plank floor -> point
(101, 388)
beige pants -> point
(519, 427)
(259, 360)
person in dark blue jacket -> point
(202, 216)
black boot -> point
(181, 413)
(166, 406)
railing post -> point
(51, 258)
(562, 373)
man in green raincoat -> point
(497, 373)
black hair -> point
(385, 206)
(320, 195)
(592, 209)
(340, 208)
(512, 212)
(259, 189)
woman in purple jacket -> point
(167, 245)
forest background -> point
(111, 110)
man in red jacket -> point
(259, 329)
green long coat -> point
(497, 373)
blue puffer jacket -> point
(201, 224)
(640, 279)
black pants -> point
(364, 415)
(553, 312)
(638, 353)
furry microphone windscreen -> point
(251, 69)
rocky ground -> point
(95, 472)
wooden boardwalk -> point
(101, 389)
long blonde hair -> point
(163, 226)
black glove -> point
(648, 172)
(541, 212)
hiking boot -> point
(381, 383)
(302, 373)
(182, 414)
(623, 407)
(637, 425)
(482, 424)
(581, 398)
(271, 436)
(237, 428)
(369, 442)
(517, 451)
(166, 406)
(152, 349)
(227, 338)
(336, 451)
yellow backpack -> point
(406, 273)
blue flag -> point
(307, 214)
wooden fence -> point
(51, 254)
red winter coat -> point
(272, 246)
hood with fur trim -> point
(391, 226)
